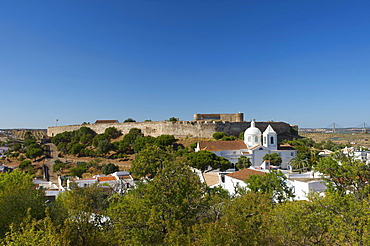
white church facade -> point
(255, 146)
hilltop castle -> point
(204, 126)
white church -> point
(255, 146)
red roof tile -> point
(222, 145)
(244, 174)
(107, 178)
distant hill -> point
(19, 133)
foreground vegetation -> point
(175, 208)
(171, 206)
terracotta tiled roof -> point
(245, 174)
(255, 147)
(285, 146)
(105, 121)
(107, 178)
(222, 145)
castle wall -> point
(178, 128)
(238, 117)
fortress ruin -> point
(179, 129)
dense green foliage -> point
(274, 159)
(272, 184)
(206, 161)
(16, 198)
(243, 162)
(109, 168)
(175, 208)
(218, 135)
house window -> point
(256, 139)
(292, 154)
(249, 139)
(264, 140)
(272, 140)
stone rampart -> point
(178, 128)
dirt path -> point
(53, 154)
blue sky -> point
(301, 62)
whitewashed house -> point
(119, 181)
(3, 150)
(301, 184)
(358, 154)
(255, 146)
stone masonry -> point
(178, 128)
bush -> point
(218, 135)
(78, 171)
(109, 168)
(25, 164)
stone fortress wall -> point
(179, 129)
(238, 117)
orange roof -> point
(222, 145)
(244, 174)
(285, 146)
(107, 178)
(255, 147)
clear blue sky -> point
(301, 62)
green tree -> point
(130, 120)
(206, 160)
(81, 212)
(150, 160)
(98, 138)
(78, 171)
(162, 211)
(104, 146)
(173, 119)
(34, 232)
(34, 153)
(17, 196)
(165, 140)
(17, 146)
(245, 220)
(274, 159)
(109, 168)
(143, 142)
(218, 135)
(344, 174)
(243, 162)
(302, 223)
(24, 165)
(58, 166)
(112, 132)
(131, 137)
(272, 183)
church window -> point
(272, 140)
